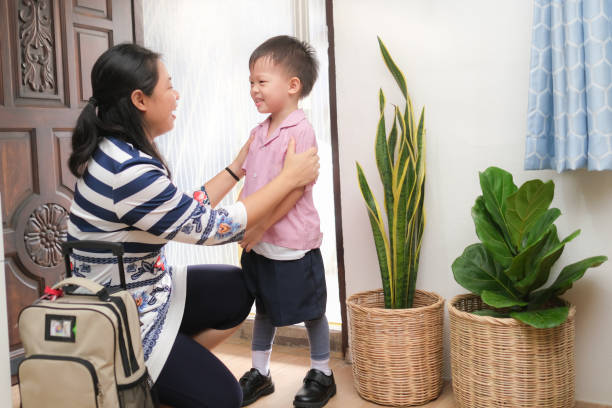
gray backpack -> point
(83, 348)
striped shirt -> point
(126, 196)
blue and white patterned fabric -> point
(569, 123)
(126, 196)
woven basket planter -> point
(397, 353)
(501, 362)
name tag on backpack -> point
(60, 328)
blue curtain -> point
(569, 123)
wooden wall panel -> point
(90, 44)
(17, 170)
(94, 8)
(37, 52)
(63, 147)
(1, 76)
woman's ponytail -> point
(84, 139)
(119, 71)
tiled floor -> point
(288, 367)
(290, 364)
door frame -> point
(333, 115)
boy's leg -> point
(319, 385)
(261, 346)
(318, 336)
(257, 382)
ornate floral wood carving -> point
(35, 34)
(45, 231)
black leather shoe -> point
(255, 385)
(316, 391)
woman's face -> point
(159, 115)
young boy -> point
(281, 259)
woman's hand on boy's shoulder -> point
(238, 163)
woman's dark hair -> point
(116, 74)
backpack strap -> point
(88, 284)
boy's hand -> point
(252, 237)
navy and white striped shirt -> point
(126, 196)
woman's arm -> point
(255, 232)
(223, 183)
(146, 199)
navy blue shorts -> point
(289, 292)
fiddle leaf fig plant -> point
(400, 158)
(518, 246)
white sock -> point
(261, 361)
(321, 365)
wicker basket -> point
(500, 362)
(397, 353)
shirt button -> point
(254, 175)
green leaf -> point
(385, 171)
(490, 313)
(395, 71)
(543, 319)
(525, 206)
(381, 101)
(527, 259)
(499, 300)
(392, 141)
(569, 275)
(380, 236)
(404, 187)
(497, 185)
(540, 227)
(538, 276)
(477, 271)
(490, 234)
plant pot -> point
(397, 353)
(501, 362)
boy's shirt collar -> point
(291, 120)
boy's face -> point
(271, 87)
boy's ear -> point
(295, 85)
(138, 99)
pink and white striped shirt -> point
(300, 228)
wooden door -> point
(47, 50)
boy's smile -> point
(271, 88)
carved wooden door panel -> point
(47, 50)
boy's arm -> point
(254, 233)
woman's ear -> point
(138, 99)
(295, 85)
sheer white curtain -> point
(206, 45)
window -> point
(206, 46)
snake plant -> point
(400, 157)
(519, 245)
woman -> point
(124, 194)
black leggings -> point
(217, 298)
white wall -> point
(468, 63)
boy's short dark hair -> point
(298, 57)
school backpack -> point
(82, 344)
